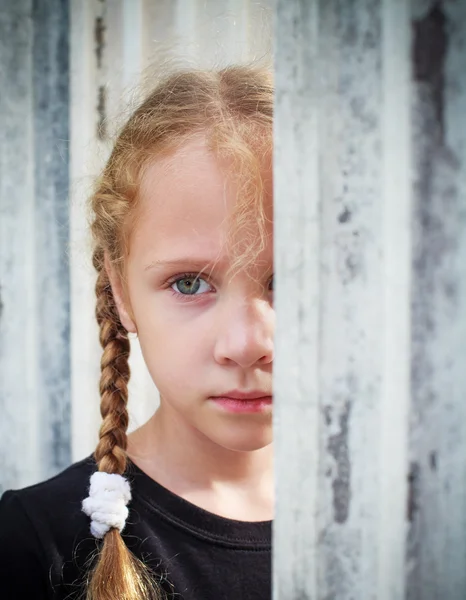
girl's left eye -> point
(190, 286)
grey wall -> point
(436, 543)
(34, 273)
(370, 370)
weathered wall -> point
(436, 549)
(370, 379)
(34, 269)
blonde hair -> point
(233, 108)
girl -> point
(182, 225)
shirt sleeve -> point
(21, 571)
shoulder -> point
(65, 481)
(58, 496)
(51, 508)
(39, 526)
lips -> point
(236, 401)
(245, 396)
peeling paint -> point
(413, 491)
(430, 44)
(99, 37)
(345, 216)
(327, 410)
(349, 252)
(102, 113)
(338, 448)
(433, 460)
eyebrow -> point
(191, 263)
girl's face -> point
(203, 333)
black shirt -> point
(45, 541)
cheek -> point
(176, 341)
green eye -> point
(190, 286)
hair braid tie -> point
(106, 504)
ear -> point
(119, 297)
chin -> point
(239, 442)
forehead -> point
(186, 200)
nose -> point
(245, 334)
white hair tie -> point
(106, 504)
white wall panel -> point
(370, 246)
(34, 274)
(19, 461)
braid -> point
(117, 572)
(110, 453)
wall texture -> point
(34, 269)
(370, 378)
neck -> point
(230, 483)
(169, 445)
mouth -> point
(244, 402)
(238, 395)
